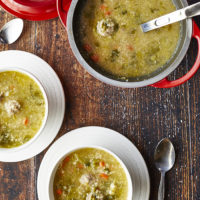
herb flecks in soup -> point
(90, 174)
(112, 37)
(22, 109)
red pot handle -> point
(165, 83)
(63, 8)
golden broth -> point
(90, 174)
(112, 37)
(22, 108)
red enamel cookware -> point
(67, 12)
(34, 10)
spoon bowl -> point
(11, 31)
(164, 155)
(164, 158)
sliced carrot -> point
(65, 161)
(103, 7)
(26, 121)
(80, 166)
(105, 176)
(95, 58)
(130, 47)
(102, 164)
(59, 191)
(12, 87)
(108, 13)
(87, 47)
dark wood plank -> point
(17, 180)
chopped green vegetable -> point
(124, 12)
(153, 10)
(114, 55)
(133, 31)
(87, 164)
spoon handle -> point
(176, 16)
(193, 10)
(161, 191)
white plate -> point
(103, 137)
(56, 99)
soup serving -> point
(22, 108)
(111, 36)
(89, 174)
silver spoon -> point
(11, 31)
(179, 15)
(164, 157)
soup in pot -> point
(111, 36)
(89, 174)
(22, 109)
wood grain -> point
(144, 115)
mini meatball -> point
(86, 179)
(12, 107)
(106, 27)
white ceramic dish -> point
(46, 109)
(105, 138)
(69, 151)
(51, 84)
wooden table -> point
(144, 115)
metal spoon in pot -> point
(179, 15)
(164, 157)
(11, 31)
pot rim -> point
(117, 83)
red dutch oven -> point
(67, 10)
(34, 10)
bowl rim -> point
(42, 89)
(117, 83)
(74, 149)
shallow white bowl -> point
(49, 80)
(101, 137)
(21, 147)
(69, 151)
